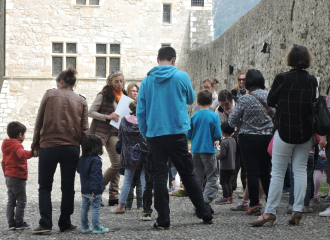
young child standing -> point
(227, 163)
(204, 131)
(14, 166)
(90, 169)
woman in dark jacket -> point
(129, 136)
(255, 133)
(103, 111)
(292, 94)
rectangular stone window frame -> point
(63, 55)
(162, 12)
(165, 45)
(107, 55)
(89, 3)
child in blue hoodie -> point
(90, 169)
(204, 131)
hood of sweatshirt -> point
(162, 73)
(8, 145)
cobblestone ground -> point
(184, 225)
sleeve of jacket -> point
(84, 121)
(141, 110)
(39, 122)
(120, 130)
(189, 133)
(274, 93)
(190, 90)
(22, 154)
(235, 118)
(223, 150)
(96, 179)
(94, 109)
(217, 129)
(3, 164)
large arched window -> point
(197, 3)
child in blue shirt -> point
(205, 131)
(90, 169)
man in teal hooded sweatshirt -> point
(163, 119)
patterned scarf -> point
(231, 109)
(117, 95)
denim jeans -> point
(310, 167)
(136, 182)
(282, 152)
(205, 164)
(89, 201)
(129, 174)
(67, 157)
(16, 199)
(257, 163)
(174, 146)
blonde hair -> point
(113, 75)
(239, 74)
(214, 81)
(130, 87)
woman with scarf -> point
(256, 131)
(103, 111)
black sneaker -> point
(156, 226)
(23, 226)
(113, 202)
(208, 219)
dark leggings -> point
(225, 182)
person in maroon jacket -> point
(14, 166)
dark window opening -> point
(167, 13)
(199, 3)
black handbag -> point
(320, 117)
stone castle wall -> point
(280, 24)
(2, 40)
(32, 27)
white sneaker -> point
(325, 213)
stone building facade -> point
(96, 37)
(279, 24)
(2, 40)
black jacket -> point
(90, 169)
(294, 92)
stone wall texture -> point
(279, 23)
(2, 40)
(137, 25)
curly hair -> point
(107, 90)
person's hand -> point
(35, 153)
(323, 157)
(113, 116)
(216, 143)
(323, 142)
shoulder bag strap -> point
(269, 111)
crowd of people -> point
(264, 135)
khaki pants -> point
(111, 174)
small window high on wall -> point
(166, 13)
(199, 3)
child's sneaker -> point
(222, 201)
(254, 211)
(87, 230)
(23, 226)
(316, 199)
(101, 230)
(240, 207)
(230, 200)
(146, 217)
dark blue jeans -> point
(257, 163)
(174, 146)
(310, 168)
(67, 157)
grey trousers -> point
(206, 164)
(16, 198)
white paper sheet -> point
(122, 110)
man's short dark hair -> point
(204, 97)
(226, 128)
(93, 144)
(254, 78)
(224, 95)
(166, 53)
(299, 57)
(15, 128)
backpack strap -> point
(269, 111)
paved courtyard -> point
(184, 225)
